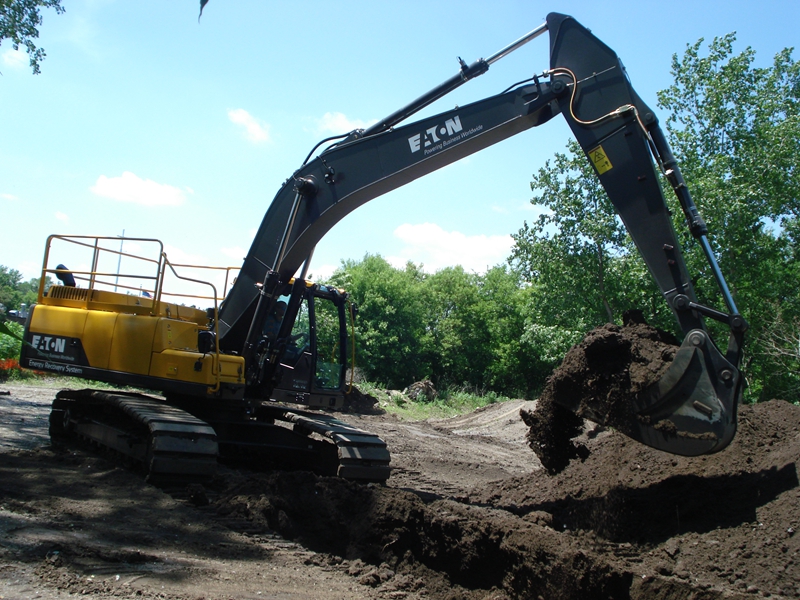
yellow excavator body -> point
(90, 330)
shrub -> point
(9, 367)
(10, 346)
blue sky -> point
(145, 121)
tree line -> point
(15, 291)
(456, 328)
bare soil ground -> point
(467, 513)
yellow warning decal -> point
(600, 160)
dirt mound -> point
(356, 401)
(421, 391)
(722, 523)
(597, 380)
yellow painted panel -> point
(97, 337)
(93, 328)
(179, 311)
(180, 365)
(192, 314)
(232, 368)
(58, 320)
(132, 344)
(176, 364)
(175, 335)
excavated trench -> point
(613, 519)
(576, 537)
(469, 548)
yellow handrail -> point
(154, 292)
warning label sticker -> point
(600, 160)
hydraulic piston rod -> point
(467, 72)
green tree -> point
(30, 289)
(15, 292)
(577, 256)
(735, 128)
(389, 326)
(462, 330)
(520, 359)
(20, 21)
(10, 295)
(457, 334)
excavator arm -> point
(692, 409)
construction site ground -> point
(468, 512)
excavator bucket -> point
(690, 410)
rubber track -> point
(363, 456)
(169, 442)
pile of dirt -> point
(356, 401)
(598, 380)
(708, 527)
(421, 391)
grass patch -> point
(18, 376)
(10, 345)
(448, 403)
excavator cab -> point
(312, 353)
(296, 344)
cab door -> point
(312, 366)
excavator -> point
(252, 377)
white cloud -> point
(237, 253)
(337, 123)
(62, 217)
(131, 188)
(322, 272)
(188, 292)
(9, 197)
(539, 209)
(132, 247)
(29, 269)
(435, 248)
(178, 256)
(15, 59)
(255, 129)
